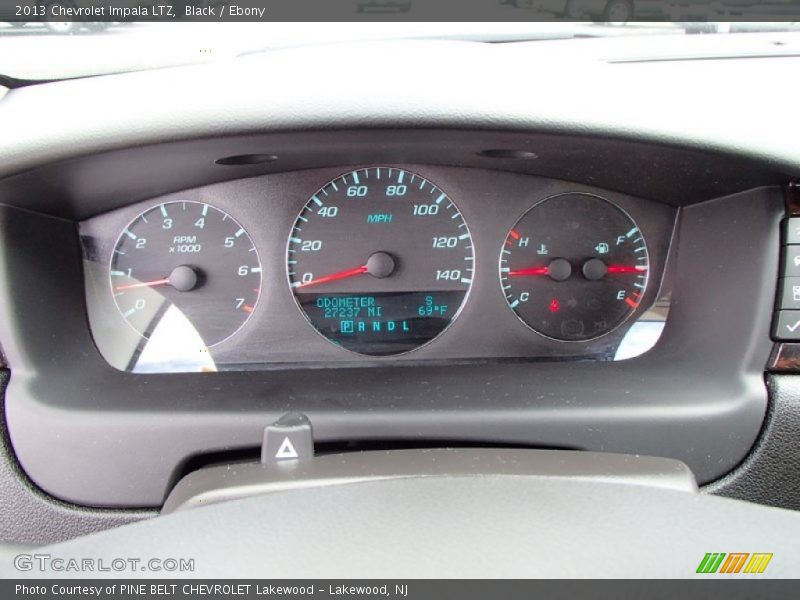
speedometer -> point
(380, 261)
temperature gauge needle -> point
(530, 271)
(559, 269)
(335, 276)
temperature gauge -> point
(574, 267)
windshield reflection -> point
(48, 50)
(174, 346)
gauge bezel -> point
(115, 245)
(304, 314)
(627, 317)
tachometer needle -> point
(142, 284)
(183, 278)
(334, 277)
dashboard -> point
(481, 358)
(501, 266)
(376, 265)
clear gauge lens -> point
(186, 263)
(574, 267)
(380, 261)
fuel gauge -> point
(574, 267)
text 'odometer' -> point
(380, 260)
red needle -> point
(611, 269)
(335, 277)
(142, 284)
(530, 271)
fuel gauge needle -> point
(621, 269)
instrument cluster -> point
(386, 262)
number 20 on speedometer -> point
(380, 261)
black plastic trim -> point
(30, 516)
(771, 471)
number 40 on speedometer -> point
(380, 261)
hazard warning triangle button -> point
(286, 450)
(290, 438)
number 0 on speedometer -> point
(380, 260)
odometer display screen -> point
(380, 261)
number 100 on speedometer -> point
(380, 261)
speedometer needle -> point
(380, 265)
(335, 276)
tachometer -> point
(182, 262)
(380, 260)
(574, 267)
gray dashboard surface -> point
(455, 84)
(474, 527)
(228, 482)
